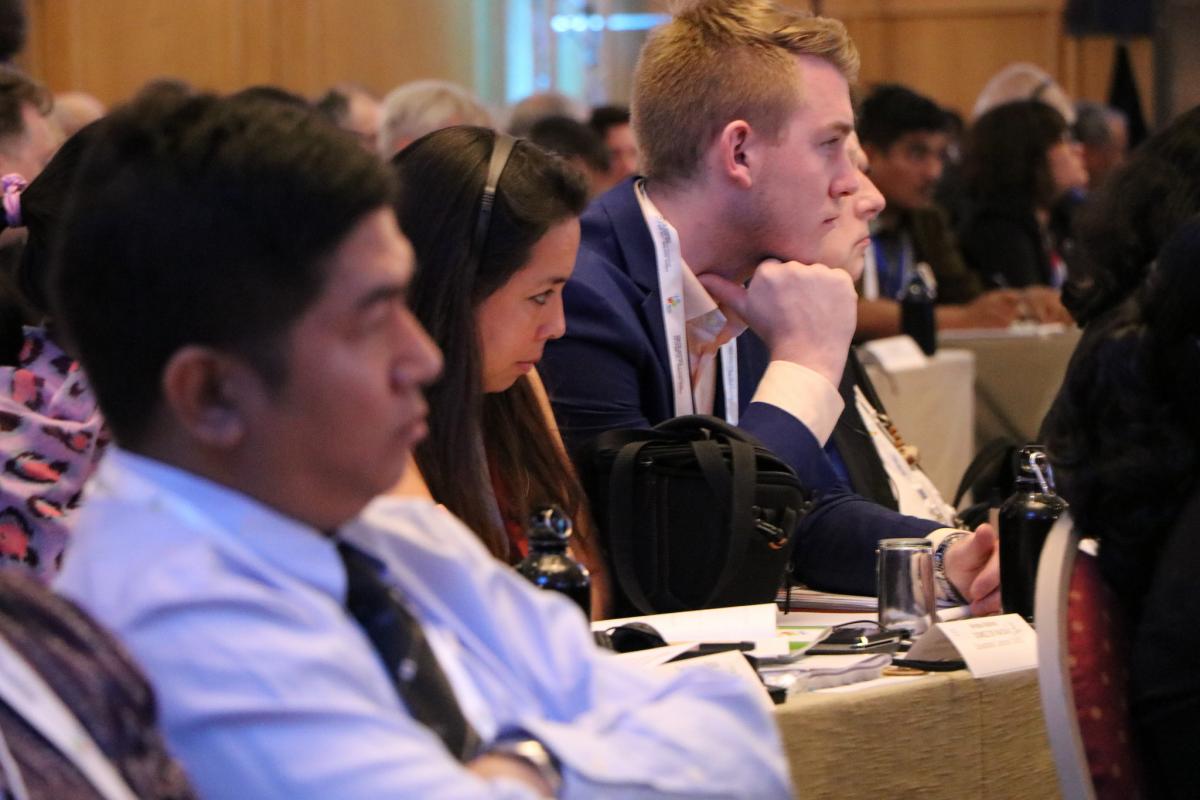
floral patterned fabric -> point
(51, 437)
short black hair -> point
(42, 205)
(14, 28)
(891, 111)
(201, 221)
(605, 117)
(334, 104)
(18, 90)
(570, 138)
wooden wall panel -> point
(112, 47)
(950, 48)
(945, 48)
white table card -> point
(896, 353)
(989, 645)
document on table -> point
(755, 624)
(733, 624)
(802, 597)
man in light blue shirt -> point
(235, 287)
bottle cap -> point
(1033, 466)
(548, 524)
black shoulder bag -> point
(694, 513)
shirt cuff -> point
(803, 393)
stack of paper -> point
(802, 597)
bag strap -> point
(737, 481)
(621, 491)
(692, 423)
(987, 459)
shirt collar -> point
(212, 510)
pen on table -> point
(953, 612)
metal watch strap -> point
(533, 753)
(947, 587)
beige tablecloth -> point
(934, 408)
(944, 735)
(1016, 378)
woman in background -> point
(1021, 164)
(1124, 438)
(488, 288)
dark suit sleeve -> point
(597, 374)
(835, 543)
(1003, 253)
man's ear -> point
(207, 392)
(736, 153)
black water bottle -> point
(548, 566)
(917, 318)
(1025, 520)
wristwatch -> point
(947, 588)
(533, 753)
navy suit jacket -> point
(611, 371)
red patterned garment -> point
(51, 437)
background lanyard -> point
(34, 701)
(670, 288)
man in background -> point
(905, 136)
(414, 109)
(578, 145)
(612, 125)
(355, 110)
(1104, 133)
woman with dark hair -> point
(51, 430)
(488, 288)
(1123, 225)
(1124, 438)
(1021, 164)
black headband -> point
(500, 153)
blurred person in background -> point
(880, 462)
(52, 433)
(612, 125)
(355, 110)
(578, 145)
(1022, 164)
(28, 139)
(1023, 81)
(1125, 222)
(414, 109)
(74, 110)
(523, 115)
(905, 137)
(1104, 133)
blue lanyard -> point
(891, 276)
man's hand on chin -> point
(805, 313)
(973, 566)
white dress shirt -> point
(269, 689)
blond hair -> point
(721, 60)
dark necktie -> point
(406, 654)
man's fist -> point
(804, 312)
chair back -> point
(1083, 652)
